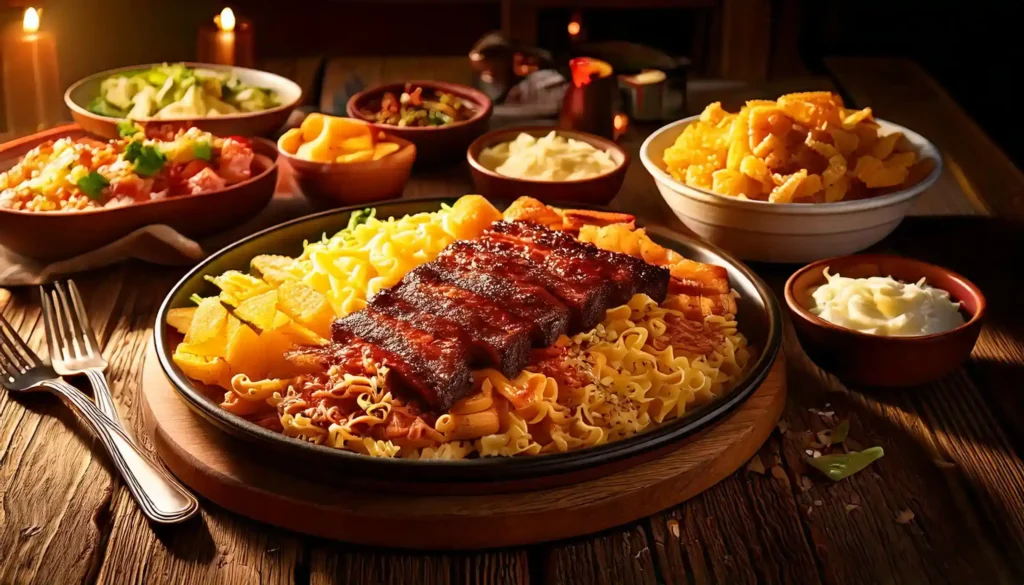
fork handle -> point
(101, 393)
(161, 497)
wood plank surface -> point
(900, 91)
(953, 449)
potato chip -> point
(306, 305)
(837, 190)
(206, 333)
(274, 269)
(236, 287)
(729, 182)
(181, 318)
(853, 117)
(213, 371)
(740, 145)
(885, 145)
(258, 311)
(785, 192)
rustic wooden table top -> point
(943, 506)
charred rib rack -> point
(486, 302)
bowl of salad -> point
(221, 99)
(64, 192)
(440, 118)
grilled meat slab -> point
(486, 302)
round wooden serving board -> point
(243, 479)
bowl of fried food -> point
(341, 161)
(440, 118)
(796, 179)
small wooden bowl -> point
(330, 184)
(63, 234)
(597, 190)
(433, 143)
(261, 123)
(874, 360)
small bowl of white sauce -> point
(882, 320)
(548, 164)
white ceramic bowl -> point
(784, 232)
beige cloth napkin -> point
(158, 244)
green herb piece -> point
(195, 298)
(435, 118)
(203, 151)
(360, 217)
(840, 433)
(104, 108)
(92, 185)
(843, 465)
(126, 128)
(148, 160)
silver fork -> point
(80, 352)
(161, 498)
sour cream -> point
(885, 306)
(548, 158)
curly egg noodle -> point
(643, 365)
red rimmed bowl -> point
(331, 184)
(433, 143)
(63, 234)
(594, 191)
(874, 360)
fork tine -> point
(65, 328)
(50, 319)
(88, 334)
(6, 367)
(26, 358)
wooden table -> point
(945, 505)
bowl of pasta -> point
(452, 342)
(796, 179)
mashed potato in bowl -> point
(548, 158)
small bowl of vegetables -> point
(440, 118)
(224, 100)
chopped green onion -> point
(126, 128)
(839, 434)
(203, 151)
(148, 160)
(195, 298)
(842, 465)
(360, 217)
(93, 185)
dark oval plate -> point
(759, 319)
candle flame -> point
(621, 124)
(30, 23)
(225, 20)
(574, 28)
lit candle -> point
(229, 42)
(621, 124)
(575, 27)
(31, 83)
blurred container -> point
(644, 94)
(589, 102)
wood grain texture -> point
(952, 449)
(230, 473)
(899, 90)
